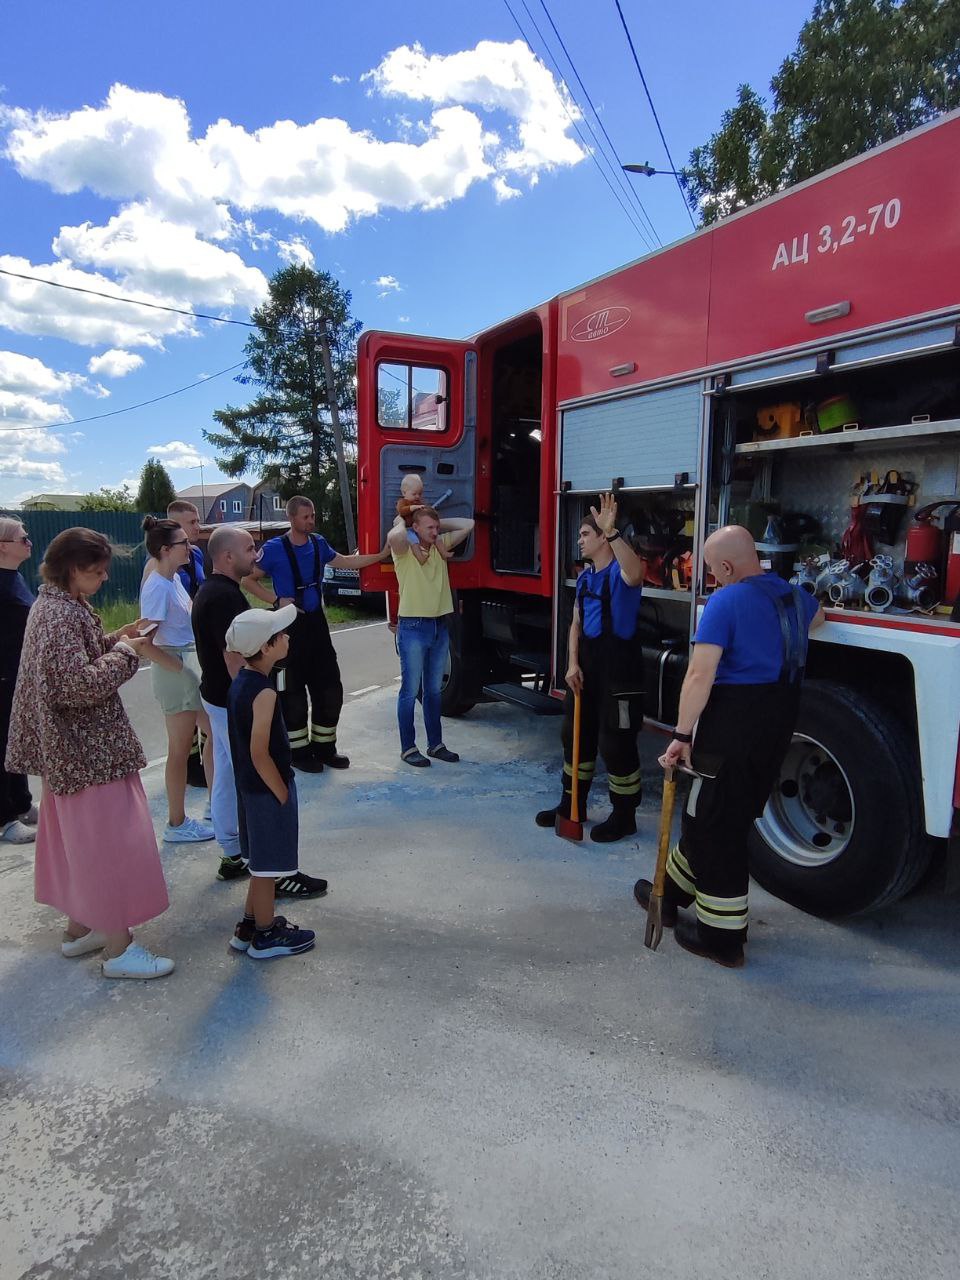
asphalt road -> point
(367, 656)
(480, 1073)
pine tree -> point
(284, 433)
(156, 490)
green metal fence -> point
(123, 528)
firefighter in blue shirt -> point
(605, 665)
(741, 693)
(295, 564)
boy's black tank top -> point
(245, 687)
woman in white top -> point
(176, 675)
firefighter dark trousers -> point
(311, 668)
(744, 734)
(610, 725)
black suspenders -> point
(794, 649)
(299, 586)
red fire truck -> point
(796, 368)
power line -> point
(133, 302)
(643, 81)
(97, 417)
(630, 187)
(638, 227)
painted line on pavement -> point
(361, 626)
(355, 693)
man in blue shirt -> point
(295, 564)
(741, 693)
(605, 666)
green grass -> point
(118, 613)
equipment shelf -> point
(863, 437)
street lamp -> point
(648, 170)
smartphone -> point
(145, 631)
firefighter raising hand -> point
(606, 517)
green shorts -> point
(178, 691)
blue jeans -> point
(423, 644)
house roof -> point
(211, 490)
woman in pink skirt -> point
(96, 851)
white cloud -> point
(497, 77)
(48, 472)
(138, 147)
(387, 284)
(18, 408)
(403, 319)
(296, 251)
(179, 455)
(335, 79)
(29, 307)
(26, 373)
(152, 253)
(115, 363)
(18, 448)
(503, 190)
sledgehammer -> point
(654, 930)
(572, 828)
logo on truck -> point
(600, 324)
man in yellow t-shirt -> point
(422, 637)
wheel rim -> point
(809, 818)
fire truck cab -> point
(794, 368)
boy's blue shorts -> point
(269, 832)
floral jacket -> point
(68, 723)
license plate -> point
(348, 591)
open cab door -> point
(416, 413)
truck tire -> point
(843, 829)
(455, 699)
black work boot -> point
(690, 936)
(328, 755)
(668, 911)
(622, 822)
(548, 817)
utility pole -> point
(324, 335)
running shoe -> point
(190, 831)
(232, 869)
(84, 945)
(280, 940)
(243, 933)
(300, 885)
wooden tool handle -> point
(666, 825)
(575, 762)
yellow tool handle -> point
(575, 762)
(666, 825)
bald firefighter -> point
(605, 666)
(741, 695)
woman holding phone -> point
(165, 610)
(97, 858)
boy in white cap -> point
(266, 791)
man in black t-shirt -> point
(217, 603)
(219, 600)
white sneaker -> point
(31, 817)
(190, 831)
(16, 832)
(91, 941)
(137, 962)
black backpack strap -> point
(794, 653)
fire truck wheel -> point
(843, 830)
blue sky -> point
(182, 152)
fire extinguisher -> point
(927, 544)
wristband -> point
(612, 537)
(682, 737)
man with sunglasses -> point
(18, 813)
